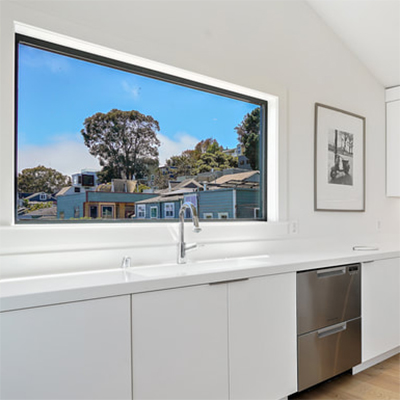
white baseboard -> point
(376, 360)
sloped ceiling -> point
(370, 29)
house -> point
(74, 324)
(40, 197)
(101, 205)
(231, 196)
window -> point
(77, 189)
(43, 196)
(87, 180)
(153, 212)
(107, 212)
(192, 199)
(169, 210)
(141, 211)
(214, 155)
(208, 215)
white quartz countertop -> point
(21, 293)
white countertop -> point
(21, 293)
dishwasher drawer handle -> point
(327, 273)
(331, 330)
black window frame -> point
(143, 71)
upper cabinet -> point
(393, 142)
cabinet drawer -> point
(327, 296)
(328, 352)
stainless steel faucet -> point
(182, 246)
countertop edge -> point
(20, 294)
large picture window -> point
(91, 129)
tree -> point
(41, 179)
(214, 159)
(160, 180)
(184, 163)
(123, 141)
(249, 136)
(206, 155)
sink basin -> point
(199, 267)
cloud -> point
(67, 157)
(131, 89)
(174, 146)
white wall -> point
(277, 47)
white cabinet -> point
(232, 340)
(380, 307)
(262, 337)
(393, 142)
(71, 351)
(179, 344)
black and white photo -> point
(339, 160)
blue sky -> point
(56, 93)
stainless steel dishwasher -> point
(328, 323)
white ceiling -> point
(370, 29)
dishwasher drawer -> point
(328, 296)
(328, 352)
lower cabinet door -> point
(179, 343)
(70, 351)
(380, 307)
(262, 337)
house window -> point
(208, 215)
(169, 210)
(43, 196)
(77, 179)
(107, 212)
(141, 211)
(77, 189)
(153, 212)
(228, 122)
(223, 215)
(87, 180)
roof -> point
(63, 191)
(44, 212)
(240, 179)
(32, 196)
(189, 183)
(161, 199)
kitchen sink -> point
(199, 267)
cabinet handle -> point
(228, 281)
(326, 273)
(331, 330)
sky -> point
(56, 93)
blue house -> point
(103, 205)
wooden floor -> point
(380, 382)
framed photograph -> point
(339, 164)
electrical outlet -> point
(293, 227)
